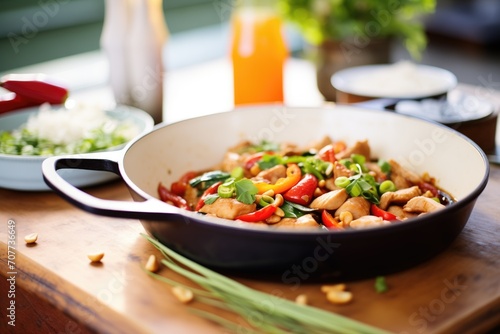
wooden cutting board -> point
(58, 290)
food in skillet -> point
(324, 185)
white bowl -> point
(25, 173)
(396, 81)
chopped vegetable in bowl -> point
(57, 131)
(327, 184)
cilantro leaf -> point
(245, 191)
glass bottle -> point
(133, 38)
(258, 53)
(146, 40)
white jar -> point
(136, 58)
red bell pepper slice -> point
(210, 191)
(167, 196)
(11, 101)
(258, 215)
(329, 221)
(376, 211)
(179, 187)
(36, 88)
(254, 158)
(327, 153)
(302, 193)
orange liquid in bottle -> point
(258, 54)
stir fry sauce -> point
(326, 184)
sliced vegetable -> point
(380, 284)
(376, 211)
(210, 191)
(36, 88)
(384, 166)
(386, 186)
(293, 176)
(329, 221)
(327, 153)
(237, 173)
(11, 101)
(258, 215)
(254, 158)
(209, 177)
(294, 210)
(179, 187)
(167, 196)
(227, 189)
(342, 181)
(302, 193)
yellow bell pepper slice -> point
(293, 176)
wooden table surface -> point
(57, 290)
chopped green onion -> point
(226, 191)
(358, 159)
(237, 173)
(384, 166)
(387, 186)
(354, 189)
(265, 200)
(342, 182)
(380, 284)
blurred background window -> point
(462, 32)
(32, 31)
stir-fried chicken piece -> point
(272, 174)
(376, 171)
(230, 161)
(400, 213)
(332, 200)
(191, 196)
(228, 208)
(400, 196)
(368, 221)
(241, 146)
(421, 204)
(319, 144)
(338, 170)
(360, 147)
(306, 221)
(357, 206)
(402, 177)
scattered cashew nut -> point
(152, 264)
(183, 294)
(31, 238)
(95, 257)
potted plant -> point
(357, 32)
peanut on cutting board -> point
(337, 294)
(301, 299)
(152, 264)
(183, 294)
(95, 257)
(31, 238)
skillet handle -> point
(150, 209)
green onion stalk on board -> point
(221, 292)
